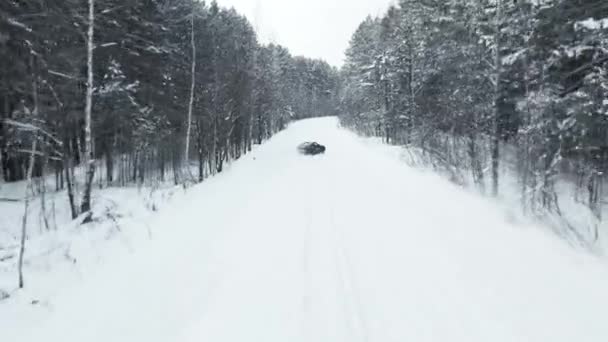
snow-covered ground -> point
(349, 246)
(63, 256)
(571, 218)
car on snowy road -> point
(311, 148)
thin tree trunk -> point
(201, 155)
(43, 210)
(88, 153)
(28, 190)
(99, 175)
(496, 136)
(475, 163)
(3, 141)
(214, 146)
(134, 166)
(174, 162)
(495, 163)
(142, 168)
(260, 129)
(527, 163)
(57, 188)
(69, 181)
(250, 133)
(192, 87)
(162, 156)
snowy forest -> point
(136, 91)
(171, 170)
(485, 89)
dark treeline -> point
(485, 87)
(133, 90)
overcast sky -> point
(313, 28)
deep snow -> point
(350, 246)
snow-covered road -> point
(348, 246)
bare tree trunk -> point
(201, 152)
(192, 86)
(2, 177)
(214, 146)
(28, 190)
(142, 168)
(476, 168)
(69, 180)
(260, 131)
(162, 155)
(497, 71)
(593, 188)
(174, 162)
(109, 168)
(124, 169)
(526, 159)
(3, 140)
(89, 161)
(43, 210)
(57, 188)
(134, 166)
(525, 168)
(250, 133)
(495, 163)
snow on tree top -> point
(592, 24)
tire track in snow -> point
(350, 288)
(343, 290)
(306, 271)
(330, 313)
(326, 264)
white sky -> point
(312, 28)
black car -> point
(311, 148)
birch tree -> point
(89, 157)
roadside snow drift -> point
(349, 246)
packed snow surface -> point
(352, 245)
